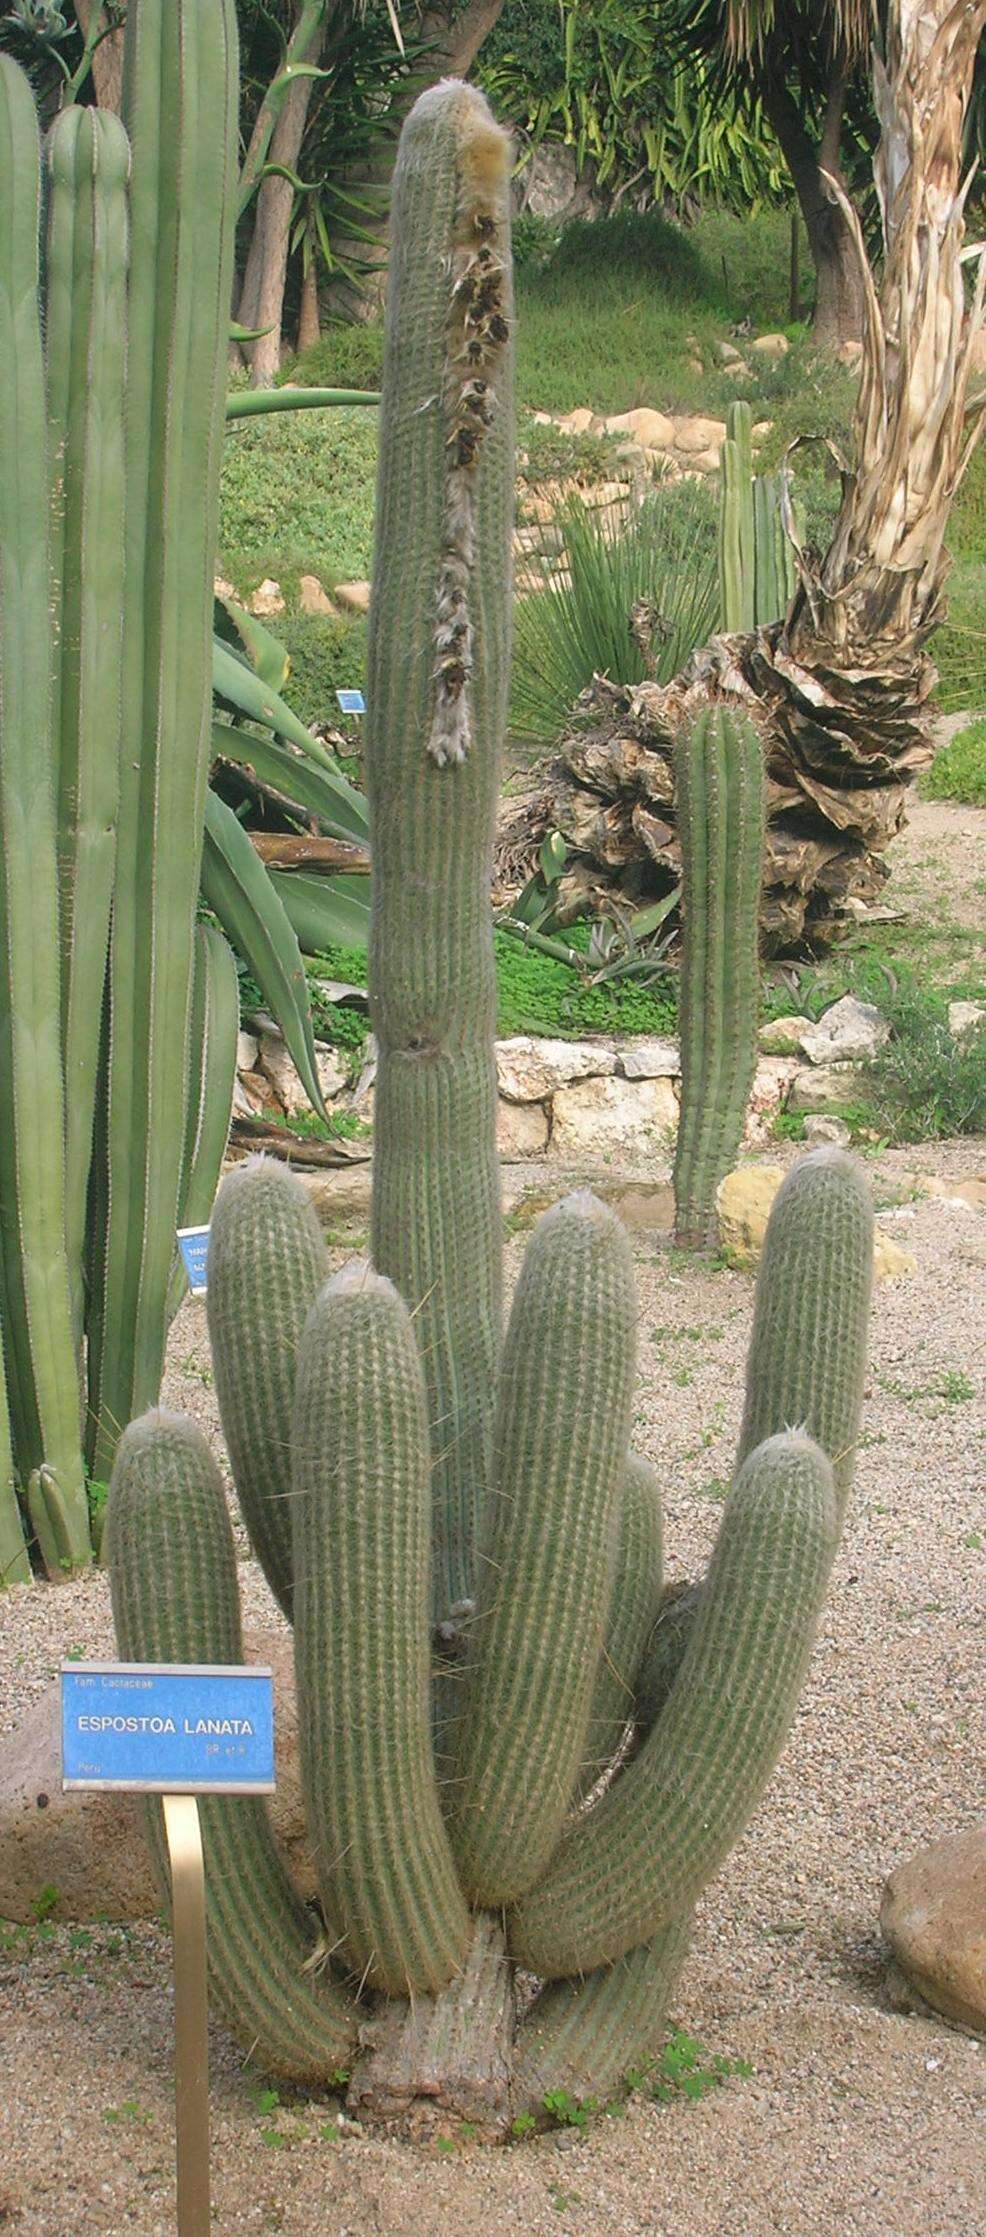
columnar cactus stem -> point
(180, 109)
(563, 1423)
(662, 1829)
(720, 794)
(436, 700)
(586, 2036)
(807, 1357)
(42, 1379)
(634, 1604)
(267, 1263)
(15, 1566)
(361, 1508)
(88, 165)
(737, 527)
(175, 1599)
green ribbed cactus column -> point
(756, 555)
(436, 710)
(719, 788)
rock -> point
(827, 1087)
(579, 421)
(819, 1129)
(761, 429)
(222, 589)
(743, 1202)
(528, 1070)
(521, 1129)
(312, 597)
(253, 1092)
(783, 1036)
(694, 434)
(851, 353)
(651, 1057)
(695, 364)
(728, 354)
(890, 1263)
(771, 345)
(247, 1051)
(705, 462)
(91, 1847)
(848, 1033)
(964, 1018)
(354, 598)
(276, 1062)
(768, 1095)
(654, 431)
(598, 1119)
(933, 1915)
(340, 1193)
(266, 599)
(738, 372)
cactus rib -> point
(563, 1420)
(660, 1832)
(361, 1514)
(175, 1599)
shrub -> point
(958, 771)
(346, 357)
(925, 1085)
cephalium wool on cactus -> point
(468, 1527)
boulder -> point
(768, 1095)
(521, 1129)
(743, 1203)
(247, 1051)
(819, 1129)
(90, 1847)
(313, 598)
(696, 434)
(704, 462)
(529, 1069)
(654, 431)
(727, 353)
(652, 1057)
(340, 1193)
(579, 421)
(771, 345)
(598, 1119)
(825, 1087)
(964, 1020)
(849, 1033)
(266, 599)
(279, 1068)
(354, 598)
(783, 1036)
(933, 1915)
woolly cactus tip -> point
(359, 1279)
(160, 1426)
(256, 1172)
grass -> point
(536, 995)
(958, 771)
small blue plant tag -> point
(351, 702)
(193, 1243)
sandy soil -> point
(861, 2116)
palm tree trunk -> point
(838, 315)
(261, 304)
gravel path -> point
(859, 2116)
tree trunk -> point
(261, 304)
(453, 52)
(309, 322)
(838, 313)
(107, 61)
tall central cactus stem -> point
(438, 673)
(180, 110)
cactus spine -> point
(599, 1763)
(180, 110)
(436, 694)
(719, 782)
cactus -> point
(180, 111)
(756, 556)
(601, 1745)
(719, 783)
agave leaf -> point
(262, 649)
(311, 786)
(325, 912)
(248, 403)
(237, 888)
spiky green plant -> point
(719, 790)
(756, 556)
(470, 1552)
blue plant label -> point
(351, 702)
(167, 1728)
(193, 1243)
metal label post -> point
(184, 1837)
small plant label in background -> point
(351, 702)
(193, 1243)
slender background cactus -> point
(592, 1776)
(756, 556)
(719, 787)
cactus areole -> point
(517, 1748)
